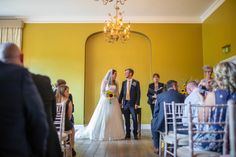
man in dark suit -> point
(24, 128)
(130, 98)
(169, 96)
(44, 87)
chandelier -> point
(122, 2)
(114, 28)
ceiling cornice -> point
(211, 9)
(131, 19)
(139, 19)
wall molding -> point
(211, 10)
(134, 19)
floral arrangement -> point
(183, 89)
(109, 95)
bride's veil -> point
(107, 80)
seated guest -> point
(194, 97)
(225, 76)
(154, 89)
(62, 96)
(24, 127)
(63, 82)
(44, 87)
(208, 82)
(169, 96)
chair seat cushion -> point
(181, 138)
(184, 152)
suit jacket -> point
(151, 91)
(24, 128)
(44, 87)
(168, 97)
(134, 92)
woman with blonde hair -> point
(225, 77)
(208, 82)
(62, 96)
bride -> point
(106, 122)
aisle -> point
(124, 148)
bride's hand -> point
(121, 106)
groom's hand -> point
(120, 105)
(136, 106)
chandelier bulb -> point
(114, 29)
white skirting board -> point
(143, 127)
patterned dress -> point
(221, 97)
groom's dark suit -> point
(129, 105)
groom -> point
(130, 98)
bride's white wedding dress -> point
(106, 122)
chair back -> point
(232, 127)
(211, 117)
(173, 113)
(59, 121)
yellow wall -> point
(219, 30)
(101, 56)
(58, 50)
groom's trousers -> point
(129, 109)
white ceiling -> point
(135, 11)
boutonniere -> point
(134, 84)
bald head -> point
(10, 53)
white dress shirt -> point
(129, 84)
(193, 98)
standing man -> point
(130, 99)
(24, 127)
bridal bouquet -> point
(109, 95)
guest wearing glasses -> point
(207, 83)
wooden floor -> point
(123, 148)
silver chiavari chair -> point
(212, 116)
(173, 113)
(64, 137)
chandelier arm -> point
(122, 2)
(114, 29)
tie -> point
(128, 91)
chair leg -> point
(175, 149)
(160, 144)
(70, 145)
(165, 149)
